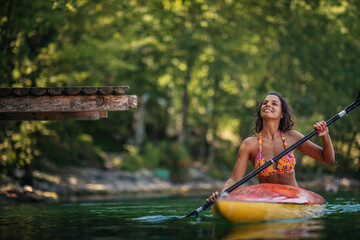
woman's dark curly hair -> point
(286, 121)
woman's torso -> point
(269, 149)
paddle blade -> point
(194, 213)
(157, 218)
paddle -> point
(344, 112)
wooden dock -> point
(64, 103)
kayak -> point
(268, 201)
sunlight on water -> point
(158, 218)
(347, 207)
(163, 218)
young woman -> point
(274, 134)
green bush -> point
(132, 160)
(167, 155)
(152, 154)
(178, 161)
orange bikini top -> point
(284, 165)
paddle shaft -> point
(253, 173)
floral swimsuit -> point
(284, 165)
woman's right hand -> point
(213, 197)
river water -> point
(123, 219)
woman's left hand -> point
(322, 128)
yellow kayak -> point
(268, 202)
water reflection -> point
(291, 229)
(123, 219)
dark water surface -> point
(120, 220)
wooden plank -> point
(38, 91)
(67, 103)
(121, 90)
(55, 91)
(72, 91)
(5, 92)
(21, 91)
(89, 90)
(106, 90)
(133, 100)
(45, 116)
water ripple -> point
(344, 207)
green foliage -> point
(132, 161)
(70, 152)
(167, 155)
(204, 65)
(18, 144)
(178, 160)
(154, 155)
(151, 156)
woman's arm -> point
(238, 172)
(323, 154)
(241, 163)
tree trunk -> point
(183, 134)
(213, 122)
(184, 129)
(27, 179)
(203, 144)
(140, 120)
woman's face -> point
(271, 107)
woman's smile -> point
(267, 110)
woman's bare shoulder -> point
(249, 147)
(293, 134)
(250, 141)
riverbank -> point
(77, 184)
